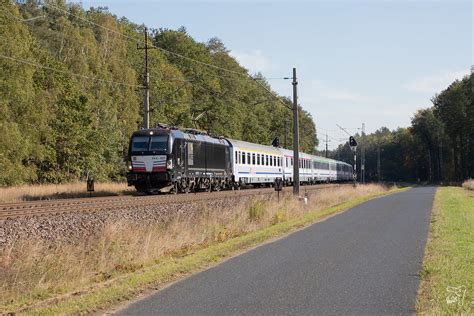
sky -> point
(372, 62)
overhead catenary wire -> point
(139, 41)
(28, 62)
(20, 19)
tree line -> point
(71, 92)
(437, 147)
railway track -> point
(56, 207)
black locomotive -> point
(167, 159)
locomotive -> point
(169, 159)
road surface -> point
(363, 261)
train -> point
(170, 159)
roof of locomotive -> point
(179, 134)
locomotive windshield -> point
(159, 143)
(151, 144)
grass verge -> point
(126, 261)
(447, 285)
(60, 191)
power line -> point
(139, 41)
(22, 20)
(271, 93)
(173, 53)
(27, 62)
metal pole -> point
(146, 110)
(440, 160)
(146, 83)
(355, 166)
(378, 163)
(296, 143)
(326, 145)
(362, 155)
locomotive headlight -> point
(129, 166)
(169, 164)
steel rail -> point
(97, 204)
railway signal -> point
(352, 142)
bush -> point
(256, 211)
(468, 184)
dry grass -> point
(468, 184)
(58, 191)
(32, 271)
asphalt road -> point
(364, 261)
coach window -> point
(243, 158)
(253, 158)
(258, 159)
(236, 157)
(248, 159)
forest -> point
(438, 147)
(71, 92)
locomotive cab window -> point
(159, 144)
(140, 143)
(155, 144)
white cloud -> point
(340, 95)
(435, 83)
(254, 61)
(321, 90)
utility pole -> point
(378, 163)
(296, 142)
(146, 84)
(326, 145)
(362, 155)
(440, 160)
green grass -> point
(169, 269)
(448, 267)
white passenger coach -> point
(260, 164)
